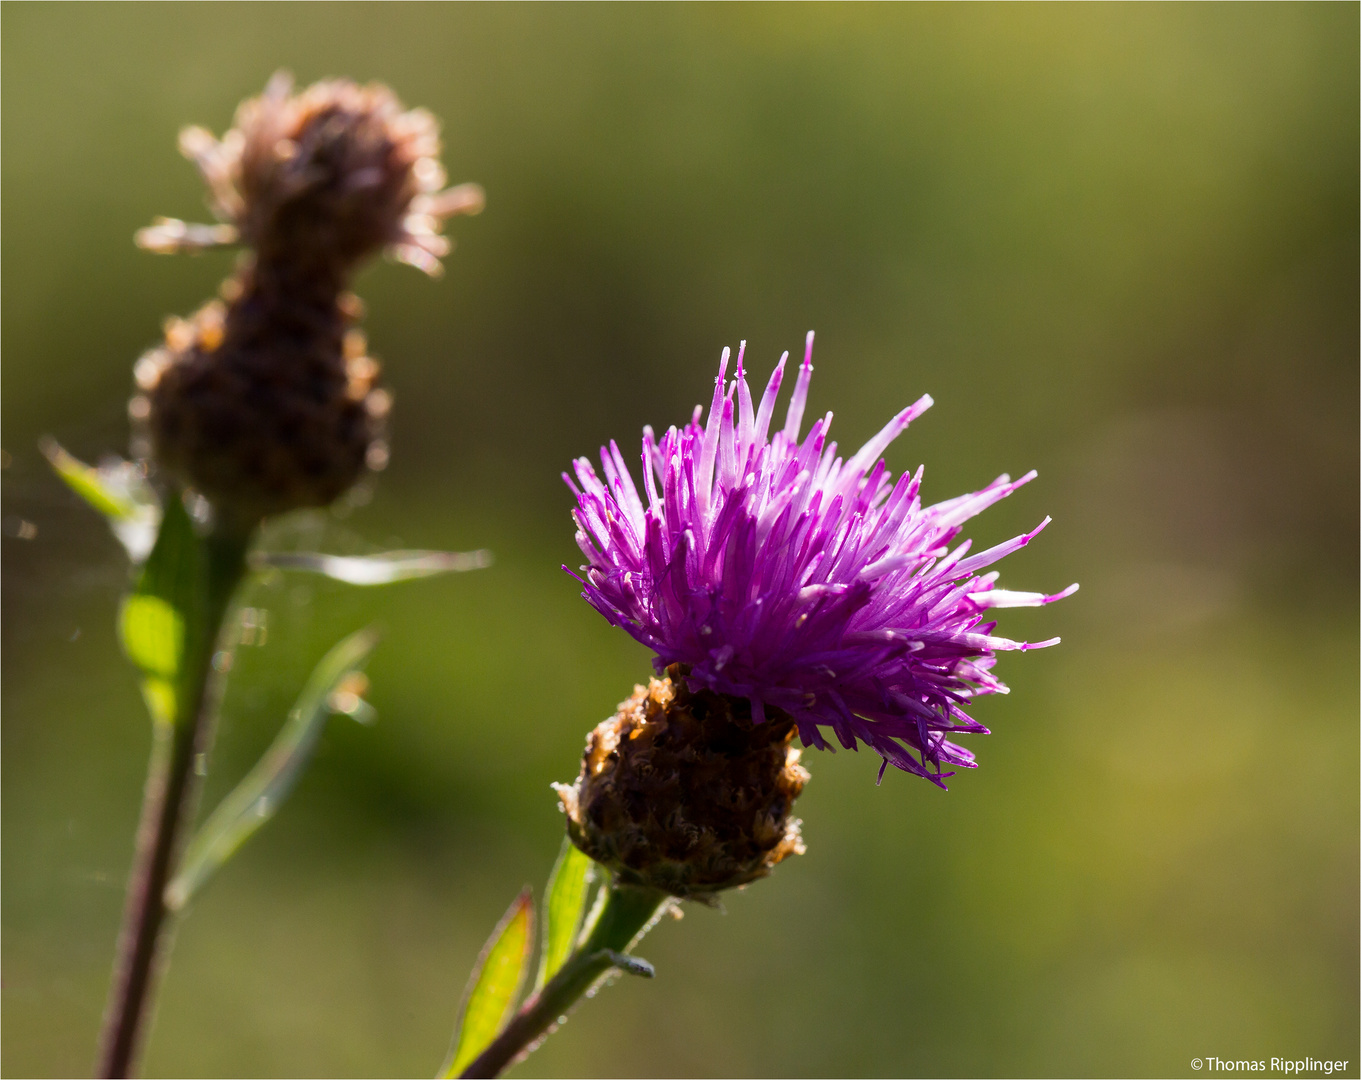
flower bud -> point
(682, 791)
(263, 408)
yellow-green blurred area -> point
(1117, 244)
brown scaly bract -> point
(680, 791)
(269, 402)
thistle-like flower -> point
(263, 402)
(802, 591)
(269, 401)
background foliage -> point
(1117, 244)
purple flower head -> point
(784, 574)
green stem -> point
(167, 808)
(627, 913)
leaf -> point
(568, 886)
(164, 608)
(255, 800)
(378, 569)
(494, 985)
(153, 634)
(118, 490)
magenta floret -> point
(782, 574)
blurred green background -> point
(1116, 243)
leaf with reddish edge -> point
(494, 985)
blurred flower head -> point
(270, 401)
(326, 177)
(808, 584)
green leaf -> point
(494, 985)
(118, 490)
(378, 569)
(568, 886)
(153, 634)
(255, 800)
(167, 606)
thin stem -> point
(628, 911)
(167, 807)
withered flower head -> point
(269, 402)
(788, 589)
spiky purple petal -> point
(783, 574)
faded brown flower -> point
(268, 401)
